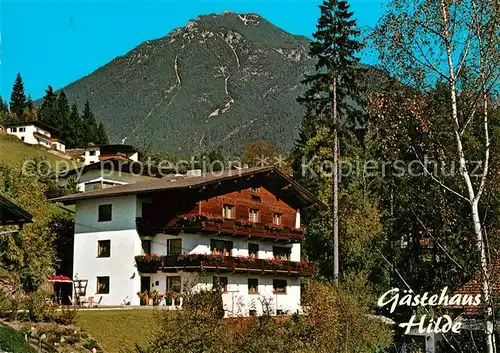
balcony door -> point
(221, 247)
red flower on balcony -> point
(190, 218)
(296, 230)
(148, 263)
(245, 259)
(242, 223)
(200, 257)
(274, 227)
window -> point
(91, 153)
(279, 286)
(228, 211)
(253, 286)
(253, 250)
(13, 129)
(146, 246)
(221, 247)
(277, 218)
(104, 213)
(22, 138)
(102, 285)
(220, 284)
(174, 246)
(174, 284)
(22, 129)
(253, 215)
(104, 248)
(282, 253)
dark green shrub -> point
(13, 341)
(39, 308)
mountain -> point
(219, 82)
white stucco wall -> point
(125, 244)
(200, 244)
(88, 159)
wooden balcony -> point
(244, 265)
(231, 227)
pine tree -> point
(75, 128)
(89, 124)
(101, 136)
(335, 47)
(48, 112)
(29, 104)
(18, 97)
(4, 106)
(63, 125)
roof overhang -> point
(10, 213)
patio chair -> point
(96, 305)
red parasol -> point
(61, 279)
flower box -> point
(148, 263)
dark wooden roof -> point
(270, 176)
(37, 123)
(113, 149)
(10, 213)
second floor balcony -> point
(206, 223)
(219, 263)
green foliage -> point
(73, 129)
(260, 153)
(18, 97)
(31, 252)
(13, 341)
(337, 320)
(38, 308)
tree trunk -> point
(335, 185)
(473, 197)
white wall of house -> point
(125, 245)
(200, 244)
(237, 301)
(91, 155)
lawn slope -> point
(119, 330)
(13, 152)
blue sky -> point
(58, 42)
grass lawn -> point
(119, 330)
(13, 152)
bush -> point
(13, 341)
(67, 316)
(39, 308)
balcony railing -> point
(219, 263)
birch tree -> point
(423, 42)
